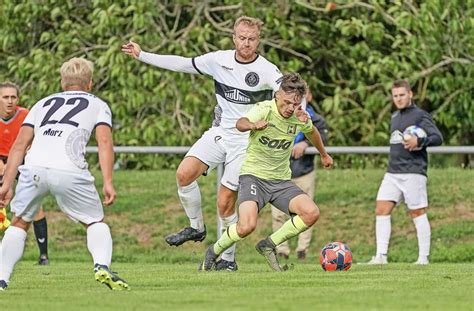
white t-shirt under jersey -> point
(238, 85)
(63, 124)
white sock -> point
(383, 229)
(225, 222)
(423, 232)
(13, 245)
(190, 197)
(99, 243)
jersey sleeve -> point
(433, 135)
(258, 112)
(104, 116)
(206, 63)
(276, 78)
(30, 119)
(307, 127)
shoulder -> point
(22, 110)
(267, 65)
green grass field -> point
(164, 277)
(159, 286)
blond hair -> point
(249, 21)
(10, 85)
(76, 72)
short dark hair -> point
(401, 83)
(293, 83)
(8, 84)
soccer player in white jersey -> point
(242, 78)
(58, 129)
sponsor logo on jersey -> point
(291, 129)
(50, 132)
(236, 96)
(396, 137)
(227, 68)
(275, 143)
(252, 79)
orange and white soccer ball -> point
(335, 256)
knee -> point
(417, 212)
(182, 177)
(312, 216)
(226, 204)
(244, 229)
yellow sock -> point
(291, 228)
(228, 238)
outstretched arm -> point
(170, 62)
(103, 135)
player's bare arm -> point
(244, 125)
(317, 141)
(106, 161)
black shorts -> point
(277, 192)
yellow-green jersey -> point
(269, 150)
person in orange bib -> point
(11, 119)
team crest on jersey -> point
(252, 79)
(291, 129)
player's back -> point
(63, 123)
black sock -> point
(41, 233)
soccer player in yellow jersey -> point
(265, 176)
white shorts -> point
(410, 188)
(75, 194)
(218, 146)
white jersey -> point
(238, 85)
(63, 124)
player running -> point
(266, 176)
(58, 129)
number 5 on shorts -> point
(253, 189)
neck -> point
(246, 59)
(75, 88)
(6, 116)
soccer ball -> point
(414, 130)
(335, 256)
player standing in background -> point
(265, 176)
(242, 78)
(406, 177)
(11, 118)
(304, 176)
(58, 129)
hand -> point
(301, 114)
(327, 161)
(132, 49)
(410, 142)
(299, 149)
(260, 125)
(109, 194)
(6, 194)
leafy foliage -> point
(350, 52)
